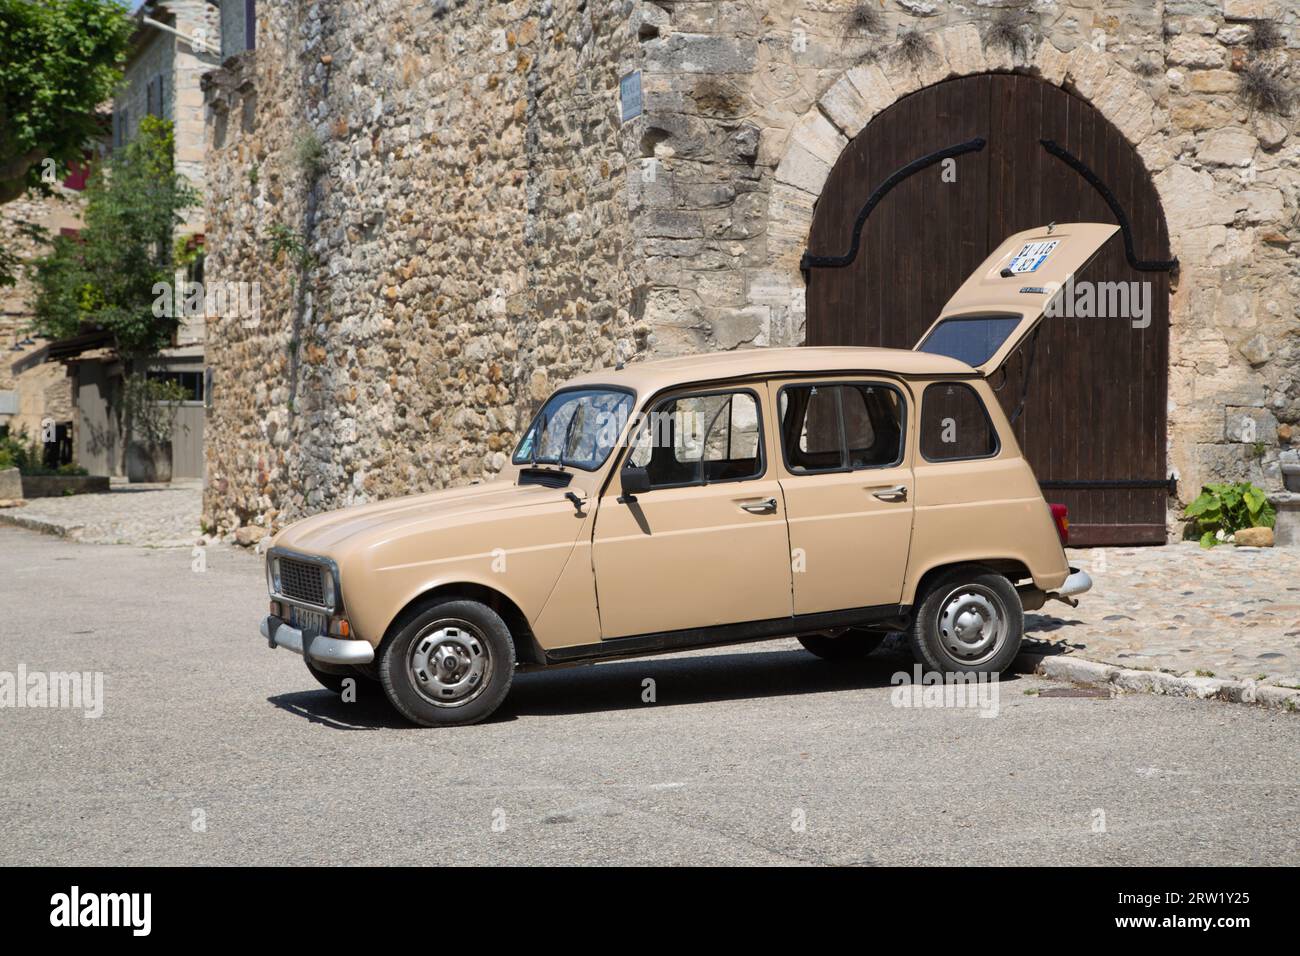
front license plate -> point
(309, 622)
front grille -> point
(302, 581)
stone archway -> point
(914, 112)
(817, 139)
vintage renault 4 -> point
(827, 494)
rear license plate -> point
(309, 622)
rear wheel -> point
(451, 663)
(970, 620)
(853, 644)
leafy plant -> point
(1265, 89)
(1264, 36)
(1007, 31)
(59, 59)
(914, 48)
(151, 406)
(292, 244)
(1222, 509)
(27, 455)
(865, 17)
(309, 153)
(105, 277)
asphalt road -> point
(214, 749)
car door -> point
(706, 545)
(847, 480)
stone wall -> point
(431, 201)
(482, 224)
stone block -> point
(846, 107)
(1253, 538)
(1230, 146)
(700, 53)
(1196, 52)
(11, 483)
(1050, 62)
(1251, 9)
(801, 168)
(1249, 424)
(818, 136)
(873, 86)
(963, 49)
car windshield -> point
(577, 427)
(971, 339)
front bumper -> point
(318, 647)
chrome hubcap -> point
(972, 623)
(449, 663)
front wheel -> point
(330, 676)
(970, 620)
(451, 663)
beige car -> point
(830, 494)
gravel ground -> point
(214, 749)
(151, 516)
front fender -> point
(519, 555)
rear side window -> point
(839, 427)
(955, 424)
(701, 439)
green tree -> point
(59, 59)
(107, 277)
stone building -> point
(174, 44)
(450, 207)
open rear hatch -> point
(1003, 300)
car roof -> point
(648, 377)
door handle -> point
(764, 507)
(896, 493)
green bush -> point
(1225, 508)
(25, 454)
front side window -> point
(840, 427)
(955, 424)
(577, 427)
(973, 339)
(700, 439)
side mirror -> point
(634, 481)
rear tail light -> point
(1061, 516)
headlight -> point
(273, 575)
(330, 601)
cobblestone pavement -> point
(1226, 612)
(150, 516)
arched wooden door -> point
(1093, 424)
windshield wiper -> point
(568, 434)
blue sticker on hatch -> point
(1032, 255)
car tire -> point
(330, 676)
(450, 663)
(854, 644)
(970, 620)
